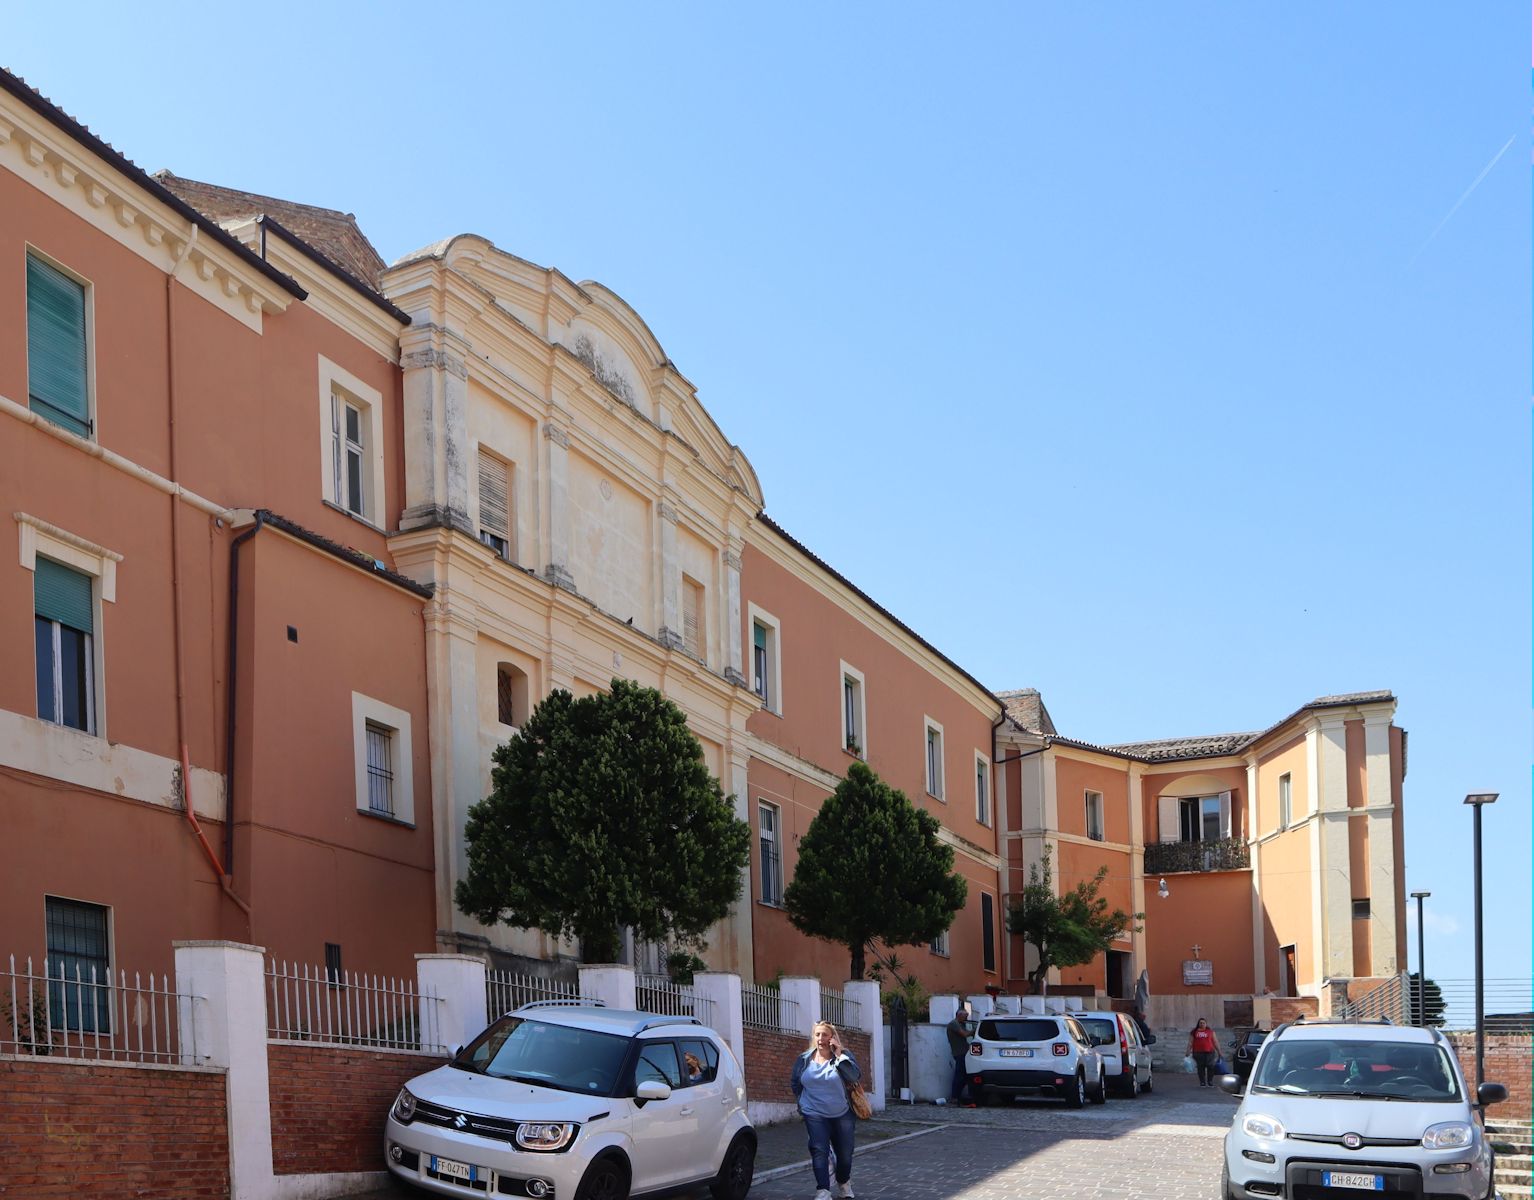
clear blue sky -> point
(1123, 351)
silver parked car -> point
(1043, 1054)
(572, 1102)
(1126, 1057)
(1337, 1108)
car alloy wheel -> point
(737, 1171)
(1077, 1096)
(604, 1180)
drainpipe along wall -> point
(176, 590)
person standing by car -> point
(1204, 1048)
(819, 1081)
(958, 1031)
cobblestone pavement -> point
(1164, 1146)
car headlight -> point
(545, 1135)
(1259, 1125)
(404, 1107)
(1449, 1135)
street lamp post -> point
(1477, 801)
(1419, 897)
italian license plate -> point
(454, 1170)
(1351, 1179)
(1015, 1052)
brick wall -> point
(770, 1061)
(329, 1105)
(1289, 1008)
(1510, 1061)
(111, 1131)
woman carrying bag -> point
(823, 1080)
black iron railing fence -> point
(1220, 854)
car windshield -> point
(549, 1055)
(1020, 1029)
(1375, 1070)
(1102, 1031)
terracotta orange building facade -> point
(199, 451)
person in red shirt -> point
(1205, 1051)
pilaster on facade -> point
(1137, 889)
(1259, 912)
(433, 361)
(1332, 866)
(734, 664)
(1384, 953)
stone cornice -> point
(44, 156)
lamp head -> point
(1161, 889)
(1479, 798)
(1420, 895)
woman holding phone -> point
(819, 1082)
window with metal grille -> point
(692, 617)
(505, 697)
(333, 964)
(58, 362)
(495, 504)
(63, 627)
(380, 741)
(79, 966)
(767, 818)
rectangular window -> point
(333, 964)
(693, 631)
(58, 362)
(64, 626)
(939, 944)
(934, 759)
(1202, 820)
(1095, 816)
(852, 713)
(982, 791)
(767, 818)
(79, 966)
(1361, 909)
(988, 929)
(380, 740)
(760, 663)
(495, 503)
(1285, 801)
(349, 451)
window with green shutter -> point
(64, 628)
(57, 374)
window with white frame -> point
(1204, 818)
(939, 944)
(495, 503)
(934, 759)
(765, 659)
(694, 625)
(71, 579)
(854, 714)
(768, 819)
(381, 751)
(79, 965)
(58, 346)
(1285, 801)
(1094, 804)
(351, 443)
(982, 789)
(64, 628)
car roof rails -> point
(1302, 1019)
(657, 1021)
(562, 1003)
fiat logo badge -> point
(1352, 1141)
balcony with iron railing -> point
(1218, 854)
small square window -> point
(1361, 909)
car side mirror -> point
(1490, 1093)
(652, 1089)
(1231, 1084)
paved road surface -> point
(1165, 1146)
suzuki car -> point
(1126, 1057)
(1035, 1054)
(1335, 1109)
(574, 1102)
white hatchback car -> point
(1035, 1054)
(573, 1102)
(1126, 1057)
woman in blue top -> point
(819, 1080)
